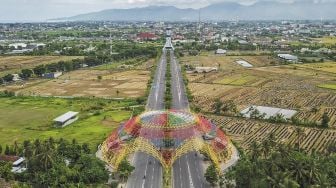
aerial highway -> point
(148, 170)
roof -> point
(220, 51)
(19, 161)
(244, 63)
(146, 35)
(288, 56)
(65, 117)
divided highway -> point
(188, 170)
(148, 170)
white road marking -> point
(144, 180)
(189, 173)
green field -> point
(328, 86)
(31, 118)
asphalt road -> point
(187, 170)
(180, 99)
(147, 173)
(156, 96)
(148, 170)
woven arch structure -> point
(166, 135)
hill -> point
(304, 10)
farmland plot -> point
(12, 64)
(229, 62)
(85, 83)
(245, 132)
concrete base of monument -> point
(232, 160)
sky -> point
(41, 10)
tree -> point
(7, 150)
(300, 133)
(217, 106)
(229, 106)
(46, 157)
(125, 169)
(86, 148)
(211, 174)
(26, 73)
(39, 70)
(325, 120)
(5, 170)
(8, 78)
(0, 149)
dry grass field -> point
(85, 83)
(299, 87)
(11, 64)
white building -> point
(288, 57)
(18, 45)
(66, 119)
(220, 52)
(18, 165)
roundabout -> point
(167, 135)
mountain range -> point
(264, 10)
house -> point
(18, 163)
(288, 57)
(52, 75)
(37, 46)
(66, 119)
(220, 52)
(18, 46)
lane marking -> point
(144, 180)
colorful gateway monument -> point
(167, 135)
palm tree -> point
(37, 147)
(16, 147)
(300, 133)
(217, 106)
(298, 170)
(255, 150)
(46, 157)
(27, 149)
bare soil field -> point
(85, 83)
(10, 64)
